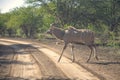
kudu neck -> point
(58, 33)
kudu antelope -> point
(73, 35)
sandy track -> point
(30, 63)
(6, 57)
(23, 65)
(48, 65)
(72, 70)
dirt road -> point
(34, 61)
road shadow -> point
(17, 78)
(7, 61)
(43, 78)
(105, 62)
(16, 49)
(8, 51)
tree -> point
(102, 16)
(3, 27)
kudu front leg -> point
(73, 56)
(62, 52)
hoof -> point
(97, 58)
(58, 61)
(73, 61)
(87, 60)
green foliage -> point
(101, 16)
(91, 27)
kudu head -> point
(51, 28)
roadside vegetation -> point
(101, 16)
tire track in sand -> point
(72, 70)
(24, 66)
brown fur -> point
(73, 35)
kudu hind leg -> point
(90, 53)
(95, 53)
(62, 52)
(73, 56)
